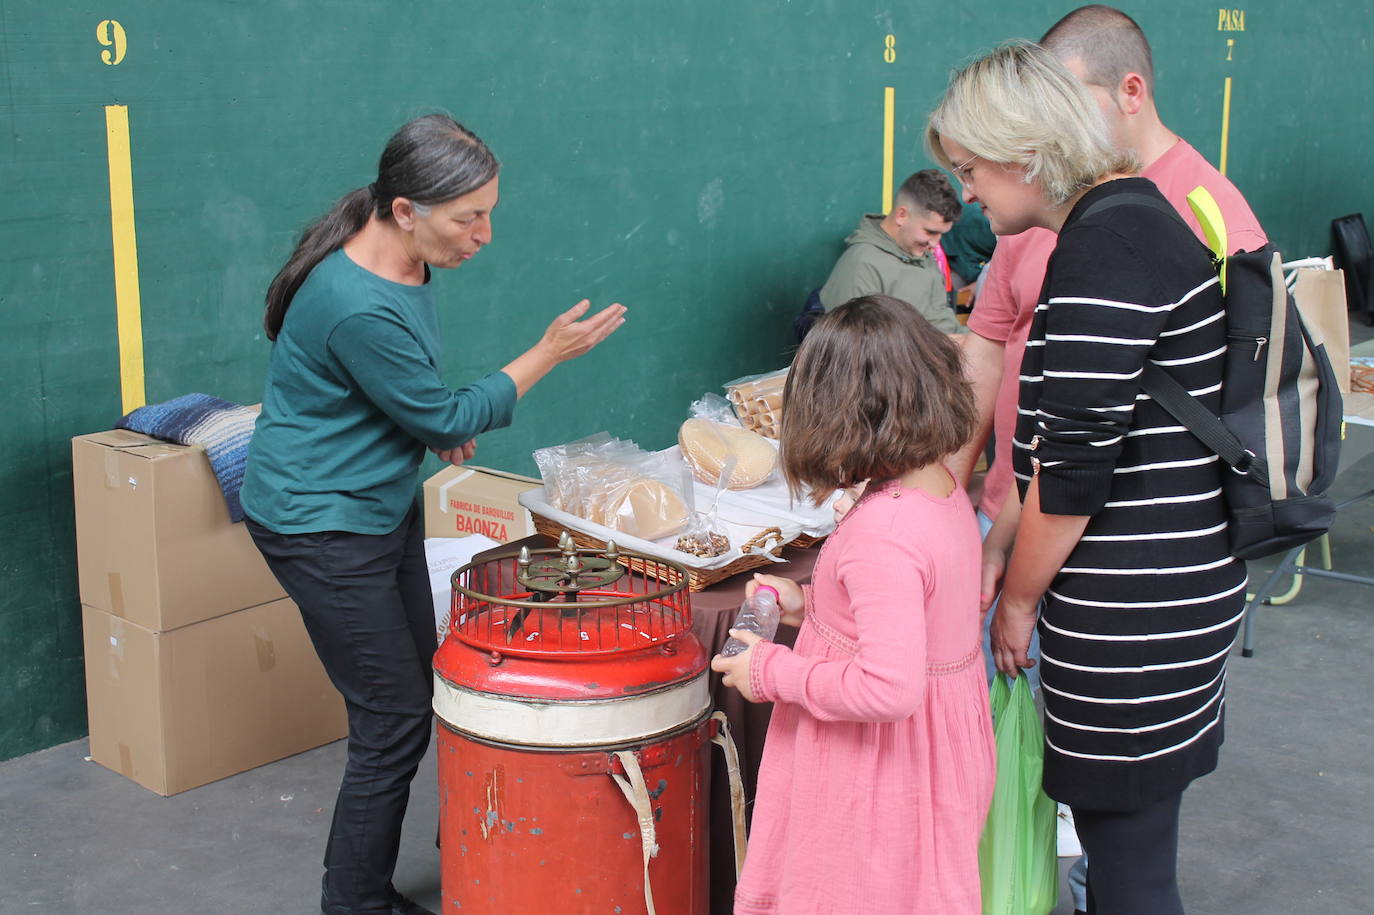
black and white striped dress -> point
(1137, 626)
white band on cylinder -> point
(574, 723)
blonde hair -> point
(1018, 105)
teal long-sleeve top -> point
(354, 395)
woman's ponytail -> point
(326, 234)
(431, 159)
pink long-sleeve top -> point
(878, 767)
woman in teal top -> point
(354, 396)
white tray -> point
(739, 533)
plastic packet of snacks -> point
(757, 401)
(615, 483)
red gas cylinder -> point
(573, 738)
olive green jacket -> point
(874, 264)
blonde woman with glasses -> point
(1121, 555)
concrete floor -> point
(1285, 826)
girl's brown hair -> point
(875, 392)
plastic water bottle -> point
(759, 615)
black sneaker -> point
(403, 905)
(400, 905)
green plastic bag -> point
(1017, 856)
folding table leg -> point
(1289, 564)
(1278, 600)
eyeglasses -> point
(963, 172)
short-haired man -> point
(890, 255)
(1107, 50)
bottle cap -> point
(771, 589)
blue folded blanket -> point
(222, 428)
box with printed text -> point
(477, 500)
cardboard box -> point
(1359, 405)
(477, 500)
(153, 538)
(446, 555)
(174, 710)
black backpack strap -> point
(1209, 430)
(1132, 199)
(1154, 203)
(1171, 395)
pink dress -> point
(878, 768)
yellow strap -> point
(1204, 207)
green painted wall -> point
(698, 162)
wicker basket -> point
(698, 579)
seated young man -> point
(890, 255)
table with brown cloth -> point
(713, 610)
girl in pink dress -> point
(878, 768)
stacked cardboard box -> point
(478, 505)
(477, 500)
(197, 666)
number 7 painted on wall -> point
(1228, 20)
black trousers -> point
(1132, 859)
(366, 604)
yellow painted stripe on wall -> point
(889, 110)
(1225, 124)
(128, 307)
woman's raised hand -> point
(568, 337)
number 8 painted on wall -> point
(890, 48)
(111, 34)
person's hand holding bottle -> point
(791, 600)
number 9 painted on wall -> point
(111, 34)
